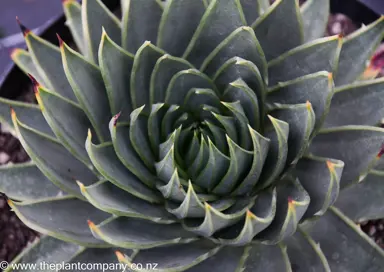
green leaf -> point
(347, 144)
(138, 135)
(277, 132)
(96, 17)
(252, 10)
(316, 88)
(173, 189)
(141, 19)
(72, 11)
(136, 233)
(280, 28)
(53, 160)
(228, 259)
(24, 181)
(23, 60)
(178, 11)
(67, 120)
(315, 15)
(363, 201)
(109, 198)
(174, 258)
(213, 28)
(88, 86)
(27, 113)
(257, 218)
(56, 217)
(367, 96)
(320, 177)
(127, 154)
(116, 66)
(260, 151)
(239, 91)
(304, 254)
(319, 55)
(301, 121)
(357, 49)
(215, 220)
(183, 81)
(166, 67)
(197, 98)
(200, 161)
(143, 65)
(47, 60)
(260, 256)
(341, 241)
(236, 68)
(105, 160)
(292, 203)
(240, 43)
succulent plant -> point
(200, 135)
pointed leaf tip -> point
(13, 114)
(61, 42)
(36, 84)
(381, 152)
(24, 29)
(116, 118)
(10, 203)
(331, 166)
(91, 225)
(89, 134)
(308, 105)
(120, 256)
(81, 185)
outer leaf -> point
(137, 233)
(96, 16)
(346, 144)
(260, 256)
(341, 241)
(141, 19)
(304, 254)
(67, 120)
(72, 11)
(116, 66)
(30, 114)
(214, 27)
(178, 11)
(105, 160)
(174, 258)
(320, 177)
(109, 198)
(55, 217)
(357, 49)
(283, 15)
(252, 10)
(315, 18)
(24, 181)
(363, 201)
(24, 61)
(366, 96)
(319, 55)
(87, 83)
(52, 159)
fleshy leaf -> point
(24, 61)
(280, 28)
(363, 201)
(137, 233)
(346, 144)
(315, 18)
(116, 66)
(24, 181)
(55, 217)
(341, 240)
(96, 17)
(177, 11)
(141, 19)
(357, 49)
(220, 19)
(72, 11)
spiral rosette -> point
(203, 122)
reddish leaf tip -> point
(91, 224)
(116, 118)
(24, 29)
(36, 84)
(290, 200)
(381, 152)
(120, 256)
(61, 42)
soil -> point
(14, 235)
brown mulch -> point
(14, 235)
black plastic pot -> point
(13, 81)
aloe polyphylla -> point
(201, 135)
